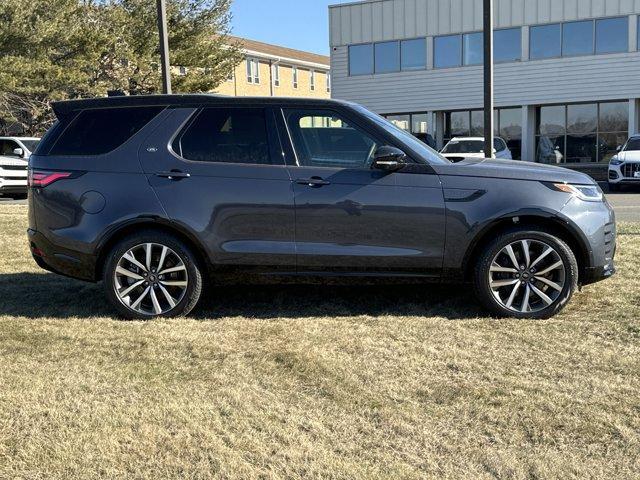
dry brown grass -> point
(291, 382)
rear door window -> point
(99, 131)
(326, 139)
(226, 135)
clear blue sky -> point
(301, 24)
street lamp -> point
(164, 46)
(488, 77)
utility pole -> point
(164, 46)
(488, 77)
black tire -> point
(19, 196)
(193, 270)
(481, 277)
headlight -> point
(615, 161)
(588, 193)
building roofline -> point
(281, 53)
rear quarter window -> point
(99, 131)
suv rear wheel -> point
(152, 274)
(526, 273)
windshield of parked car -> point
(30, 144)
(427, 153)
(632, 145)
(464, 146)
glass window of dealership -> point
(584, 132)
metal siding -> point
(467, 15)
(396, 19)
(410, 18)
(456, 14)
(387, 20)
(377, 21)
(334, 26)
(421, 17)
(367, 30)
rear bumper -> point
(60, 260)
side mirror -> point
(388, 158)
(18, 152)
(619, 148)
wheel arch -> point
(561, 227)
(114, 235)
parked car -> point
(14, 153)
(624, 167)
(152, 195)
(459, 148)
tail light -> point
(42, 178)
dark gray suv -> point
(153, 195)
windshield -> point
(30, 144)
(632, 145)
(464, 146)
(426, 152)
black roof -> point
(69, 106)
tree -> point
(58, 49)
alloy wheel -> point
(150, 279)
(527, 276)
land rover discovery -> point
(153, 195)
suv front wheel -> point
(526, 273)
(152, 274)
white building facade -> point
(567, 72)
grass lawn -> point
(318, 381)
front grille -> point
(629, 169)
(609, 241)
(17, 168)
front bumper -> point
(627, 173)
(596, 224)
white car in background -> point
(624, 167)
(460, 148)
(14, 159)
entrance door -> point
(218, 172)
(351, 218)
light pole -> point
(164, 46)
(488, 77)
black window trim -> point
(273, 136)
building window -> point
(328, 82)
(413, 54)
(294, 71)
(606, 35)
(507, 45)
(447, 51)
(415, 123)
(473, 51)
(580, 133)
(577, 38)
(253, 71)
(276, 75)
(470, 123)
(312, 80)
(545, 41)
(387, 57)
(612, 35)
(361, 59)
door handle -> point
(173, 175)
(313, 182)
